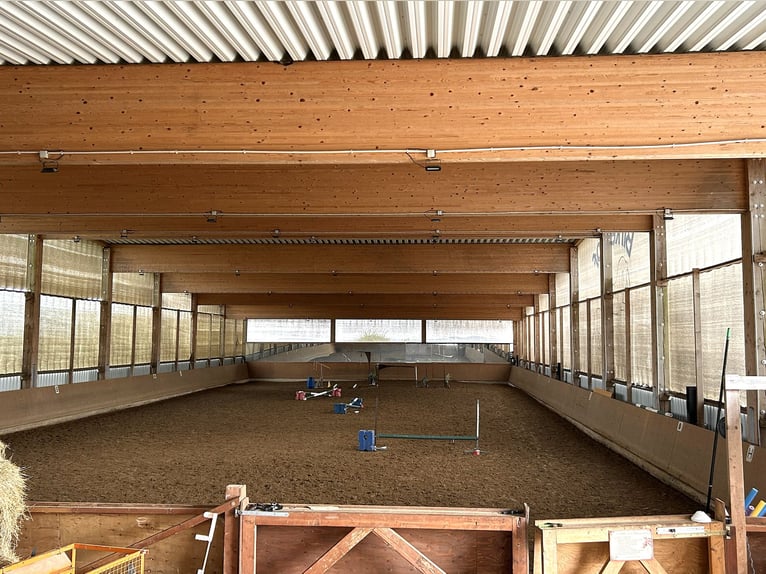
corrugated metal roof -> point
(91, 32)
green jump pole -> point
(428, 436)
(438, 436)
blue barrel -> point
(310, 383)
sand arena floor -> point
(186, 451)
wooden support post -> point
(607, 312)
(552, 324)
(574, 319)
(105, 326)
(231, 529)
(699, 376)
(659, 285)
(133, 341)
(588, 343)
(736, 476)
(178, 336)
(72, 340)
(537, 333)
(156, 324)
(193, 333)
(753, 279)
(628, 350)
(32, 312)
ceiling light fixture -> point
(49, 164)
(667, 214)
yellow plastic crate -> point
(64, 561)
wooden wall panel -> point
(587, 101)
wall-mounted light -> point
(212, 216)
(275, 233)
(433, 165)
(667, 214)
(124, 234)
(141, 272)
(76, 239)
(236, 272)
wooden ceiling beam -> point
(544, 108)
(372, 312)
(399, 283)
(436, 258)
(468, 193)
(365, 299)
(321, 227)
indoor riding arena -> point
(382, 287)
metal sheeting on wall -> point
(88, 32)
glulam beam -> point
(399, 283)
(563, 108)
(372, 259)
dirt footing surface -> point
(186, 451)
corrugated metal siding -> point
(90, 32)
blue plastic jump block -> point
(339, 408)
(367, 440)
(310, 383)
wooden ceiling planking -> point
(476, 312)
(365, 299)
(373, 259)
(651, 100)
(467, 190)
(398, 283)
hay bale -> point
(12, 507)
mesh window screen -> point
(55, 333)
(630, 259)
(589, 267)
(133, 288)
(641, 336)
(702, 240)
(366, 330)
(72, 269)
(545, 355)
(722, 307)
(13, 261)
(121, 347)
(230, 345)
(566, 335)
(143, 335)
(204, 321)
(583, 334)
(11, 332)
(597, 359)
(216, 326)
(184, 335)
(288, 330)
(87, 329)
(469, 331)
(168, 335)
(681, 334)
(180, 301)
(562, 289)
(620, 340)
